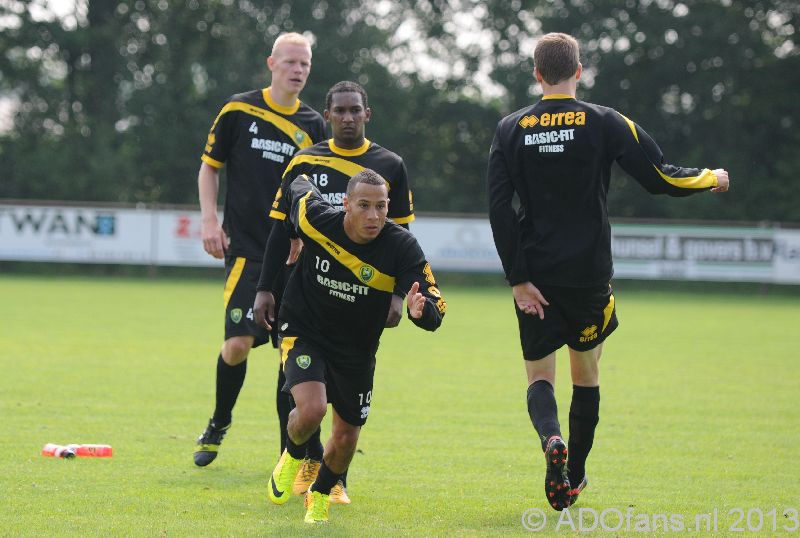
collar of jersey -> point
(285, 110)
(558, 96)
(349, 152)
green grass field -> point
(699, 412)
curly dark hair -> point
(345, 86)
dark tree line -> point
(112, 102)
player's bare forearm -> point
(264, 309)
(395, 312)
(215, 241)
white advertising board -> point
(75, 234)
(172, 237)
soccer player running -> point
(330, 164)
(556, 156)
(331, 318)
(256, 134)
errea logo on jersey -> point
(554, 120)
(528, 121)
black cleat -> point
(556, 483)
(574, 492)
(208, 444)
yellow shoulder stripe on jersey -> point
(211, 162)
(233, 279)
(295, 133)
(706, 179)
(607, 311)
(344, 166)
(631, 126)
(363, 271)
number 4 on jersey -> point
(253, 128)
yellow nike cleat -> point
(339, 494)
(317, 505)
(306, 476)
(280, 483)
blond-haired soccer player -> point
(254, 136)
(556, 156)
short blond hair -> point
(557, 57)
(291, 38)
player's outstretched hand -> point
(723, 182)
(295, 248)
(264, 309)
(215, 241)
(529, 299)
(415, 301)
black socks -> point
(583, 419)
(298, 452)
(326, 479)
(543, 410)
(284, 404)
(229, 382)
(315, 448)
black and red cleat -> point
(574, 492)
(556, 484)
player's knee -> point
(311, 414)
(236, 349)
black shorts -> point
(581, 318)
(241, 279)
(349, 388)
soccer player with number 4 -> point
(254, 136)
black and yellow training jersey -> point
(255, 138)
(331, 167)
(556, 156)
(339, 295)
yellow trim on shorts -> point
(287, 343)
(607, 311)
(377, 280)
(233, 279)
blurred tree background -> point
(112, 101)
